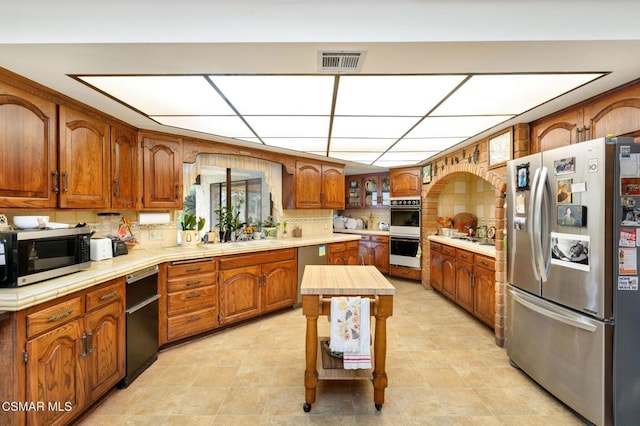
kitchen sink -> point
(476, 240)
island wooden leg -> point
(384, 309)
(311, 350)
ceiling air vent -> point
(341, 61)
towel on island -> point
(350, 331)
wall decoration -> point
(565, 166)
(426, 174)
(500, 149)
(630, 186)
(572, 215)
(564, 190)
(522, 177)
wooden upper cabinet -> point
(28, 149)
(332, 187)
(558, 130)
(84, 176)
(406, 182)
(319, 186)
(162, 172)
(617, 115)
(124, 169)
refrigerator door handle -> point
(545, 211)
(558, 317)
(533, 224)
(539, 201)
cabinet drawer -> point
(464, 255)
(436, 247)
(449, 250)
(485, 262)
(365, 237)
(190, 282)
(409, 273)
(241, 261)
(106, 294)
(350, 245)
(336, 248)
(380, 239)
(49, 318)
(192, 323)
(180, 269)
(187, 301)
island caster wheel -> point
(306, 407)
(378, 407)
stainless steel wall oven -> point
(404, 232)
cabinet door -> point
(380, 252)
(354, 192)
(28, 149)
(239, 293)
(449, 277)
(485, 295)
(464, 285)
(162, 173)
(406, 182)
(278, 285)
(337, 254)
(308, 185)
(124, 169)
(435, 271)
(365, 252)
(332, 187)
(106, 340)
(84, 160)
(55, 366)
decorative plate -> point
(491, 232)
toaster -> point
(100, 249)
(119, 247)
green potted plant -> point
(270, 227)
(229, 223)
(191, 226)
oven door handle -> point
(142, 304)
(6, 260)
(404, 239)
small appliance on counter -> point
(119, 247)
(101, 248)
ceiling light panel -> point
(357, 156)
(360, 144)
(393, 163)
(232, 127)
(287, 126)
(428, 144)
(299, 144)
(371, 127)
(163, 95)
(509, 94)
(455, 127)
(392, 95)
(278, 95)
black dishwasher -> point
(142, 322)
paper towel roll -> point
(148, 218)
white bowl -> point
(30, 222)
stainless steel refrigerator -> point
(573, 303)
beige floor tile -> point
(443, 369)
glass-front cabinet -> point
(354, 194)
(368, 191)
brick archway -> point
(430, 195)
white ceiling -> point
(49, 42)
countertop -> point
(360, 231)
(352, 280)
(466, 245)
(17, 298)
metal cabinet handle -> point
(196, 269)
(56, 317)
(108, 295)
(194, 319)
(65, 176)
(116, 185)
(89, 342)
(193, 295)
(194, 282)
(483, 263)
(83, 342)
(56, 179)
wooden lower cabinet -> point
(374, 250)
(466, 278)
(191, 302)
(74, 352)
(344, 253)
(254, 284)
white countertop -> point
(17, 298)
(466, 245)
(360, 231)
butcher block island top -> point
(319, 284)
(345, 280)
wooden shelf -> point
(341, 373)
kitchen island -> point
(319, 284)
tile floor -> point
(443, 369)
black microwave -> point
(33, 255)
